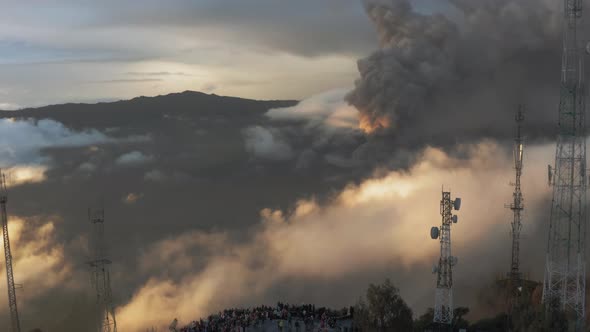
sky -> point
(60, 51)
(218, 202)
(69, 51)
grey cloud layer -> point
(310, 28)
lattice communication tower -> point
(443, 303)
(14, 319)
(564, 284)
(100, 270)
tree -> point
(383, 310)
(458, 321)
(424, 322)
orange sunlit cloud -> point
(380, 221)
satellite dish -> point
(434, 232)
(454, 260)
(455, 219)
(434, 269)
(457, 204)
(588, 48)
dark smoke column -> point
(564, 285)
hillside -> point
(190, 104)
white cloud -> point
(328, 112)
(133, 158)
(266, 143)
(21, 143)
(22, 140)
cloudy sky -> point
(57, 51)
(218, 202)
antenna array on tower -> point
(517, 203)
(443, 303)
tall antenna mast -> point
(564, 285)
(14, 320)
(100, 269)
(517, 204)
(443, 303)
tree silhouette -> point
(383, 309)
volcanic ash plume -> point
(459, 75)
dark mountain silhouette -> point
(127, 113)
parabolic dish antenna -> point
(457, 204)
(454, 260)
(434, 232)
(455, 219)
(434, 269)
(588, 48)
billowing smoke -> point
(447, 78)
(379, 225)
(437, 80)
(322, 129)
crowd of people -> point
(296, 318)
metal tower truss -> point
(564, 284)
(100, 269)
(443, 303)
(517, 204)
(14, 319)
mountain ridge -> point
(122, 112)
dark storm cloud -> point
(442, 81)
